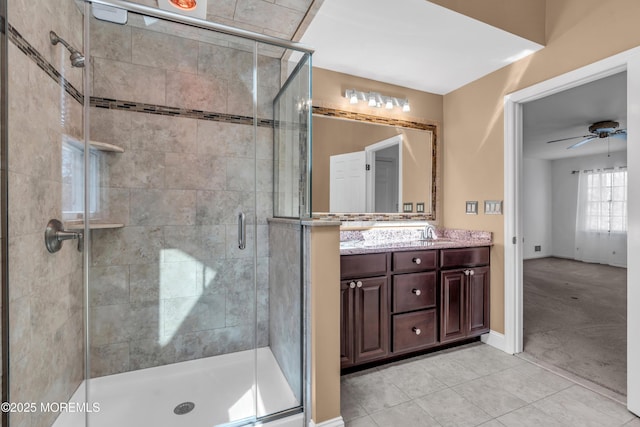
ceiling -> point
(570, 113)
(410, 43)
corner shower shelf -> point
(92, 225)
(97, 145)
(105, 146)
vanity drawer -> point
(465, 257)
(363, 265)
(414, 291)
(406, 262)
(412, 331)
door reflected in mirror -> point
(364, 167)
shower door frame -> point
(220, 28)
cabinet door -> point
(346, 323)
(371, 319)
(478, 300)
(452, 305)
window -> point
(604, 201)
(73, 180)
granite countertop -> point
(384, 240)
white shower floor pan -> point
(221, 387)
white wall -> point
(537, 213)
(564, 196)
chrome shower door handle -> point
(242, 231)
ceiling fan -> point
(604, 129)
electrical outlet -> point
(537, 248)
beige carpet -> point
(575, 318)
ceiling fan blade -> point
(571, 137)
(622, 133)
(584, 141)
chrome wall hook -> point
(55, 234)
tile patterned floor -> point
(471, 386)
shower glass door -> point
(178, 262)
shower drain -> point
(184, 408)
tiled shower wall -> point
(171, 285)
(285, 300)
(45, 290)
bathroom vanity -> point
(411, 295)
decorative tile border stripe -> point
(114, 104)
(326, 216)
(31, 52)
(164, 110)
(332, 112)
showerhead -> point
(77, 58)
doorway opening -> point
(575, 233)
(628, 61)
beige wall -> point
(579, 32)
(324, 275)
(525, 18)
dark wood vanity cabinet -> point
(464, 293)
(402, 302)
(364, 309)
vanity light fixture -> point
(374, 99)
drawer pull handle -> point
(417, 331)
(352, 285)
(417, 260)
(416, 291)
(471, 273)
(359, 284)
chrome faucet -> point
(429, 232)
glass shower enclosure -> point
(181, 301)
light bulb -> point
(184, 4)
(405, 107)
(389, 104)
(372, 100)
(354, 98)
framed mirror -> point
(363, 164)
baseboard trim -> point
(334, 422)
(494, 339)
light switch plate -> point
(472, 207)
(420, 207)
(493, 207)
(407, 207)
